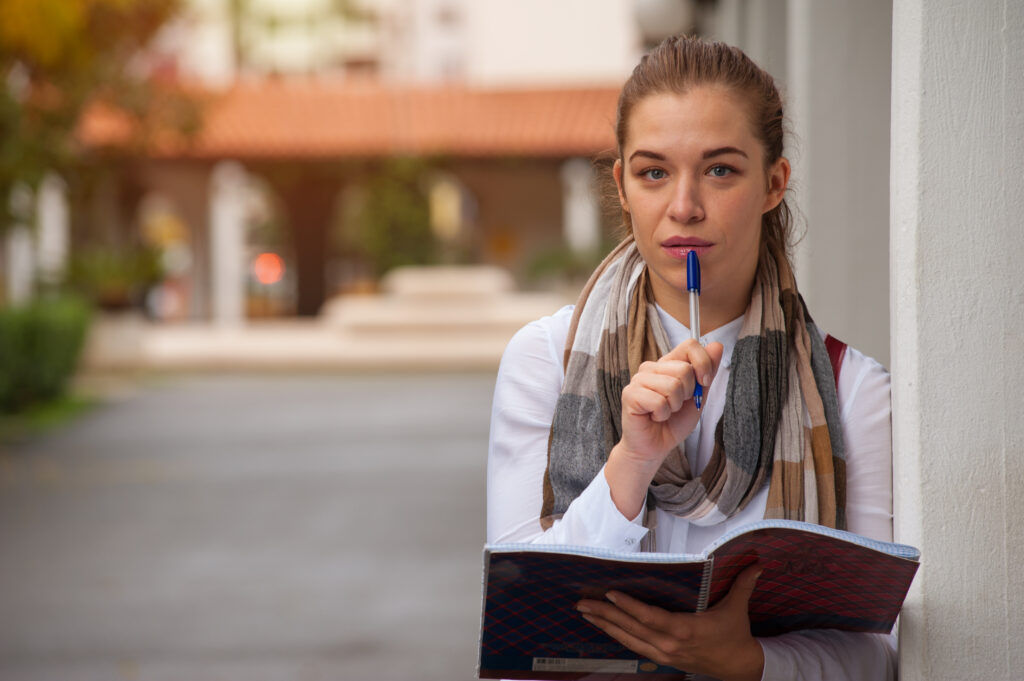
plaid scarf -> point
(781, 381)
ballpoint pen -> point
(693, 286)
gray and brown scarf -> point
(780, 370)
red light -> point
(268, 268)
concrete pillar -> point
(765, 40)
(730, 23)
(53, 229)
(227, 243)
(958, 321)
(20, 261)
(20, 265)
(581, 214)
(758, 28)
(838, 94)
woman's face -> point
(692, 177)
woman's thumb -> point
(743, 587)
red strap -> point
(836, 351)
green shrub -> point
(114, 278)
(39, 348)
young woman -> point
(595, 437)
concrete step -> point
(429, 318)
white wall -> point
(831, 61)
(838, 94)
(958, 325)
(535, 42)
(489, 43)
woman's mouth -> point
(677, 247)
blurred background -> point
(260, 259)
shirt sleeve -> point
(865, 410)
(529, 381)
(831, 655)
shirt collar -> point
(726, 335)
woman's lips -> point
(678, 247)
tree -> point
(58, 57)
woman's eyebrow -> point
(724, 150)
(720, 151)
(647, 154)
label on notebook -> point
(581, 664)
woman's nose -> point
(686, 205)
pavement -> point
(253, 526)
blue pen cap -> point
(692, 272)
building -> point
(312, 101)
(908, 151)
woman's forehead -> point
(702, 117)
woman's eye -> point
(654, 174)
(720, 171)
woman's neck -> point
(714, 313)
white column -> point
(20, 260)
(19, 265)
(53, 229)
(958, 321)
(227, 243)
(730, 22)
(838, 95)
(581, 214)
(757, 27)
(765, 38)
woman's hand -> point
(657, 414)
(716, 642)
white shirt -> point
(528, 384)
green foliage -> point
(388, 220)
(114, 278)
(41, 417)
(39, 348)
(57, 58)
(561, 262)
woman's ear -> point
(617, 174)
(778, 181)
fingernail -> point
(582, 607)
(706, 380)
(610, 596)
(589, 618)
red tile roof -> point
(316, 119)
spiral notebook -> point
(813, 577)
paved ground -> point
(250, 527)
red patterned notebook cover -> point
(812, 578)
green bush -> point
(387, 218)
(39, 348)
(114, 278)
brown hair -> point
(680, 63)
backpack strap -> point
(836, 351)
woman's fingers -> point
(640, 627)
(635, 643)
(708, 642)
(703, 360)
(658, 394)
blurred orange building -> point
(305, 103)
(307, 141)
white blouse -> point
(528, 384)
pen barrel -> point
(694, 315)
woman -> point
(595, 437)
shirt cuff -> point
(604, 522)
